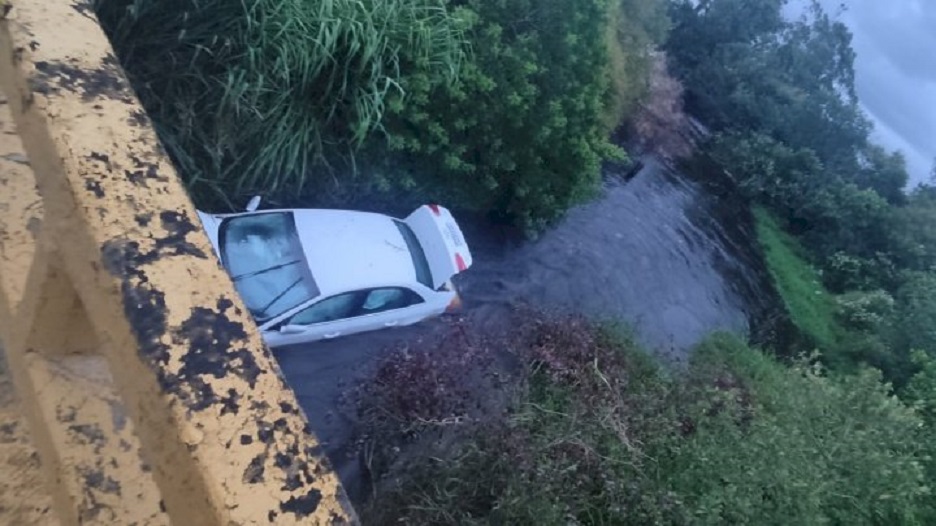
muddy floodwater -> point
(671, 257)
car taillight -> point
(435, 209)
(455, 305)
(460, 263)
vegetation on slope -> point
(505, 107)
(595, 433)
(810, 306)
(780, 96)
(256, 96)
(499, 107)
(521, 134)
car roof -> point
(349, 250)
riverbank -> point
(659, 251)
(588, 428)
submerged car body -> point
(312, 274)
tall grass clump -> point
(275, 96)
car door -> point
(349, 313)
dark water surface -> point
(660, 252)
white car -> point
(311, 274)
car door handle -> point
(391, 323)
(332, 335)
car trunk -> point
(442, 241)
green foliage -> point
(846, 218)
(791, 134)
(885, 173)
(845, 272)
(840, 450)
(865, 311)
(769, 171)
(636, 27)
(850, 330)
(914, 232)
(811, 307)
(598, 435)
(521, 133)
(922, 387)
(258, 96)
(495, 106)
(781, 93)
(831, 215)
(701, 28)
(914, 324)
(746, 67)
(921, 392)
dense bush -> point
(865, 311)
(844, 272)
(914, 231)
(780, 92)
(521, 133)
(915, 315)
(496, 106)
(748, 67)
(599, 435)
(831, 215)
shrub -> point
(865, 311)
(818, 450)
(599, 435)
(915, 316)
(521, 134)
(843, 272)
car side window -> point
(329, 309)
(357, 303)
(380, 300)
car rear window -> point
(416, 252)
(263, 254)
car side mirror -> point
(292, 329)
(253, 204)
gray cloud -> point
(902, 30)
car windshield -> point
(265, 259)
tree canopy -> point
(503, 107)
(521, 133)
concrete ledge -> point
(118, 280)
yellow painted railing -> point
(144, 394)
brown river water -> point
(672, 258)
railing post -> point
(149, 393)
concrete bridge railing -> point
(149, 396)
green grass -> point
(811, 307)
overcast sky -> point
(895, 73)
